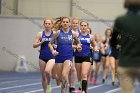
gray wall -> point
(17, 36)
(106, 9)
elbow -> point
(49, 44)
(102, 52)
(34, 46)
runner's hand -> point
(55, 53)
(79, 47)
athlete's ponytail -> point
(57, 23)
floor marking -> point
(6, 82)
(40, 90)
(93, 87)
(113, 90)
(20, 86)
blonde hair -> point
(85, 22)
(52, 21)
(75, 19)
(57, 23)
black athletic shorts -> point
(82, 59)
(91, 60)
(45, 60)
(114, 53)
(104, 55)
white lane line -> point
(118, 89)
(21, 91)
(3, 79)
(34, 91)
(5, 82)
(20, 86)
(16, 78)
(113, 90)
(25, 80)
(93, 87)
(40, 90)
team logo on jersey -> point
(88, 40)
(70, 37)
(47, 39)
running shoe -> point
(71, 90)
(57, 82)
(113, 83)
(117, 78)
(91, 78)
(103, 81)
(95, 82)
(48, 89)
(84, 92)
(64, 87)
(79, 90)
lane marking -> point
(20, 86)
(113, 90)
(16, 78)
(25, 80)
(118, 89)
(6, 82)
(93, 87)
(21, 91)
(40, 90)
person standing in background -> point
(106, 56)
(127, 27)
(111, 57)
(97, 53)
(92, 67)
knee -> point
(64, 74)
(54, 76)
(113, 68)
(73, 69)
(43, 79)
(106, 66)
(43, 76)
(84, 76)
(48, 72)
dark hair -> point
(108, 29)
(90, 30)
(132, 4)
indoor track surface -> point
(12, 82)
